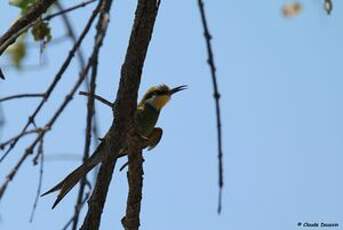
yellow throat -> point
(160, 101)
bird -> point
(145, 118)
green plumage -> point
(146, 119)
(146, 116)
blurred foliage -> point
(24, 5)
(294, 8)
(17, 52)
(291, 9)
(40, 31)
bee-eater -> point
(146, 116)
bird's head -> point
(158, 96)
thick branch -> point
(125, 105)
(135, 179)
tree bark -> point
(124, 109)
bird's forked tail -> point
(73, 178)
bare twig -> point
(125, 106)
(100, 35)
(216, 96)
(24, 95)
(72, 35)
(71, 220)
(97, 97)
(67, 10)
(57, 77)
(10, 141)
(40, 154)
(53, 119)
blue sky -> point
(280, 81)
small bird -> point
(146, 116)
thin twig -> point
(80, 56)
(97, 97)
(72, 35)
(40, 154)
(53, 119)
(65, 227)
(9, 141)
(67, 10)
(28, 20)
(57, 77)
(29, 150)
(24, 95)
(216, 96)
(101, 27)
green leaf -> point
(17, 52)
(24, 5)
(41, 31)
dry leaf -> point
(291, 9)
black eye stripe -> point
(163, 90)
(150, 95)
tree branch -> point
(40, 154)
(135, 178)
(125, 106)
(216, 96)
(97, 97)
(21, 24)
(73, 37)
(67, 10)
(28, 95)
(22, 134)
(101, 28)
(29, 150)
(56, 79)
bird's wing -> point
(154, 138)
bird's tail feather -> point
(73, 178)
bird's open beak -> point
(178, 89)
